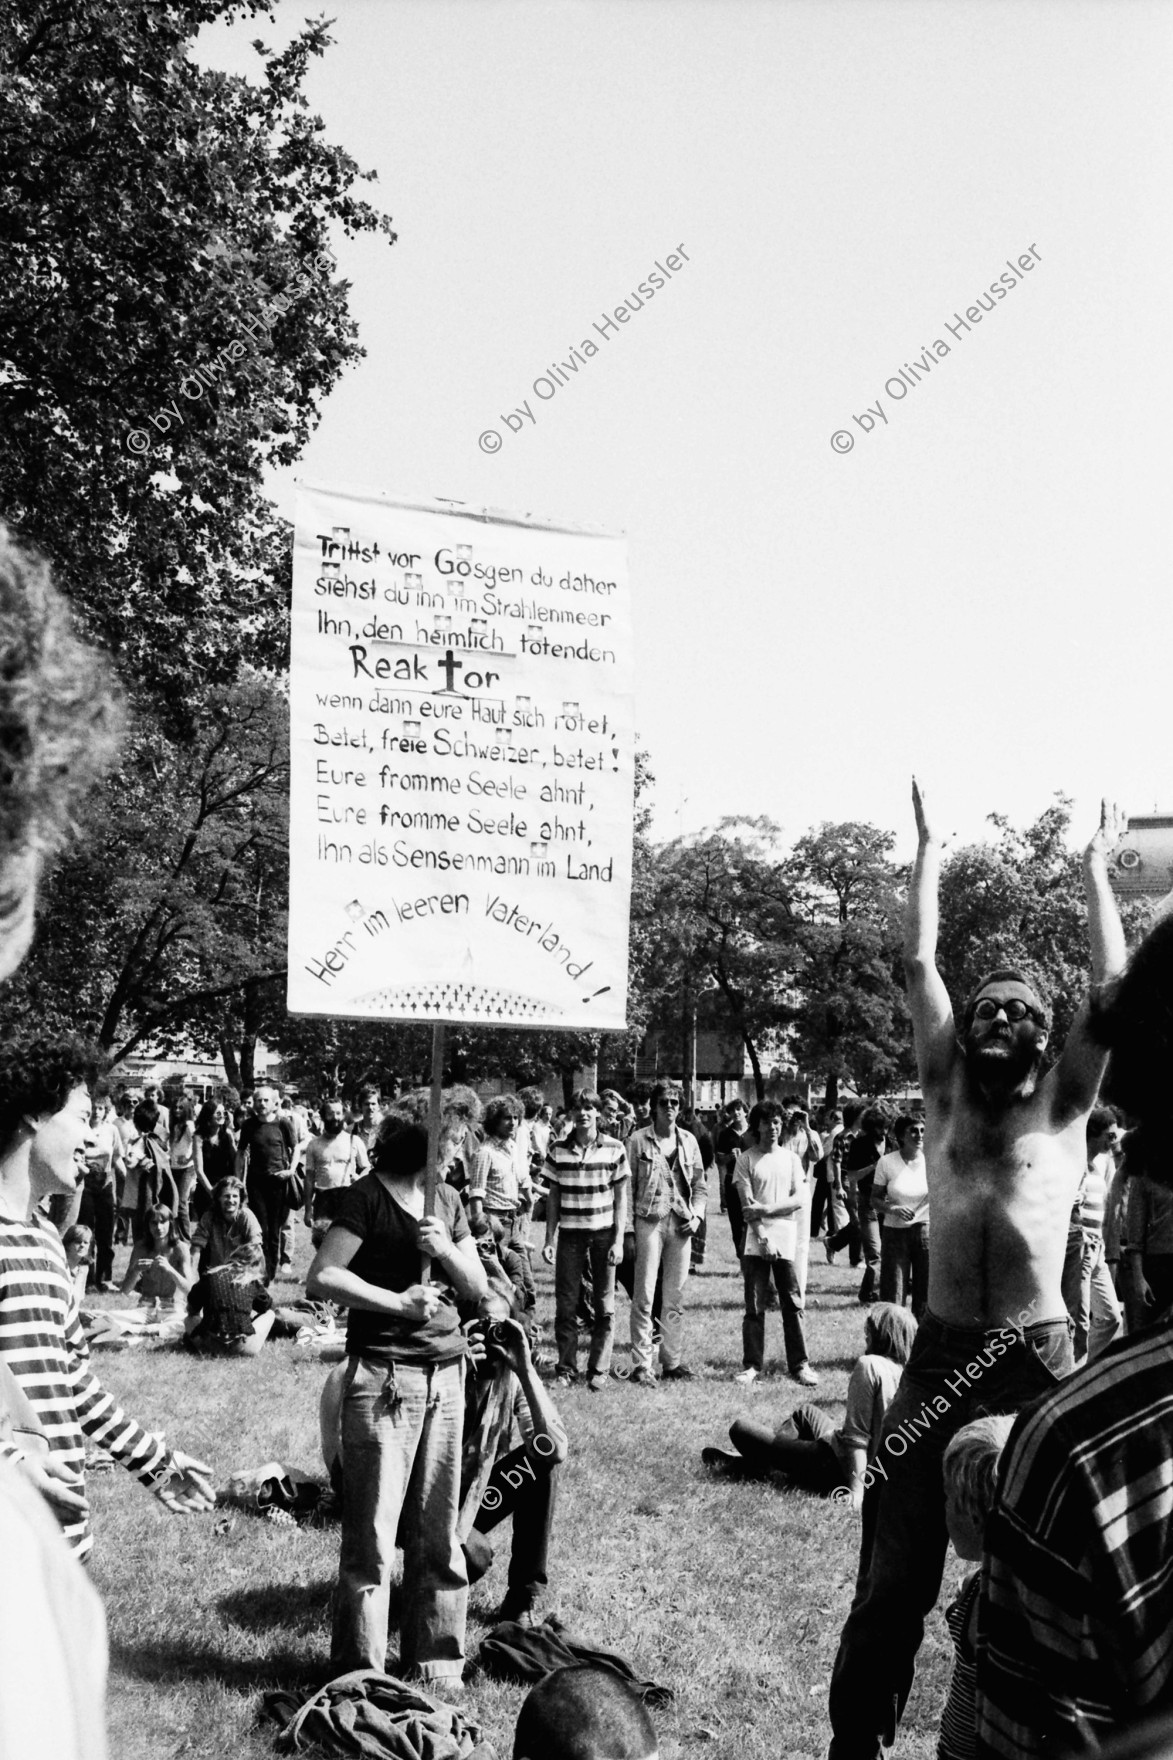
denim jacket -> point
(652, 1184)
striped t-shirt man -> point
(42, 1343)
(586, 1175)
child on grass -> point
(971, 1475)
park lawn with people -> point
(733, 1595)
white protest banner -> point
(462, 765)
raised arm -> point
(928, 999)
(1080, 1068)
(1105, 929)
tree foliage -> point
(175, 896)
(1020, 902)
(169, 323)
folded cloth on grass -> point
(513, 1652)
(376, 1717)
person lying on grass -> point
(808, 1448)
(44, 1128)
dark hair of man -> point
(582, 1713)
(400, 1149)
(640, 1093)
(890, 1332)
(585, 1097)
(532, 1099)
(37, 1076)
(1100, 1119)
(904, 1124)
(1007, 975)
(663, 1091)
(764, 1111)
(732, 1106)
(146, 1117)
(497, 1112)
(875, 1120)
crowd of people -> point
(1014, 1396)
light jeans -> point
(1090, 1295)
(401, 1438)
(656, 1243)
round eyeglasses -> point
(1014, 1009)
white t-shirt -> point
(770, 1177)
(905, 1183)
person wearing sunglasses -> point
(900, 1198)
(1005, 1152)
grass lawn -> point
(733, 1595)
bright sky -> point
(978, 589)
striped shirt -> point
(1075, 1624)
(44, 1346)
(586, 1179)
(955, 1741)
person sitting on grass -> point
(583, 1713)
(160, 1264)
(970, 1471)
(44, 1127)
(231, 1314)
(78, 1241)
(229, 1233)
(808, 1448)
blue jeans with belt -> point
(955, 1374)
(402, 1427)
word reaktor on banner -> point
(462, 766)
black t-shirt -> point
(269, 1144)
(731, 1142)
(390, 1258)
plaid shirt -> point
(1075, 1626)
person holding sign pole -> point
(402, 1407)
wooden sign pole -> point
(433, 1181)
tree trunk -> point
(755, 1065)
(231, 1062)
(248, 1055)
(831, 1093)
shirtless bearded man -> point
(1005, 1153)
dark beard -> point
(1001, 1077)
(332, 1130)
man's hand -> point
(419, 1302)
(615, 1253)
(924, 829)
(753, 1210)
(435, 1240)
(1112, 827)
(899, 1213)
(309, 1217)
(548, 1252)
(59, 1484)
(189, 1490)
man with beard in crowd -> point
(1005, 1153)
(333, 1160)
